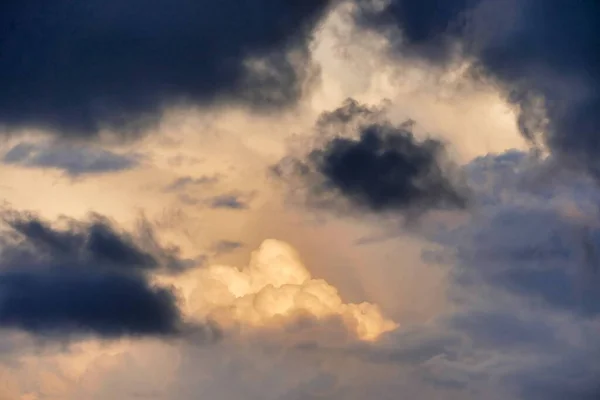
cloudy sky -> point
(289, 200)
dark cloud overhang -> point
(534, 49)
(375, 165)
(93, 243)
(76, 68)
(387, 169)
(86, 278)
(72, 301)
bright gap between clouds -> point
(274, 285)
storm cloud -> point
(82, 302)
(542, 53)
(76, 68)
(376, 165)
(84, 278)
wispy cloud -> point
(75, 161)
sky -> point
(290, 200)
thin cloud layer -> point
(101, 65)
(232, 201)
(75, 161)
(186, 181)
(524, 284)
(540, 242)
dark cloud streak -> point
(75, 161)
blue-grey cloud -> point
(524, 240)
(76, 68)
(84, 278)
(380, 167)
(186, 181)
(228, 201)
(524, 273)
(74, 161)
(533, 48)
(71, 301)
(524, 319)
(226, 246)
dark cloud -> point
(77, 68)
(74, 161)
(426, 28)
(67, 301)
(535, 254)
(84, 278)
(525, 297)
(95, 244)
(185, 181)
(226, 246)
(529, 236)
(533, 48)
(380, 167)
(228, 201)
(502, 330)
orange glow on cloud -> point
(276, 284)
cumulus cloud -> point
(276, 285)
(378, 166)
(287, 331)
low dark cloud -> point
(71, 301)
(95, 243)
(76, 68)
(533, 48)
(186, 181)
(226, 246)
(529, 236)
(377, 165)
(523, 284)
(229, 201)
(428, 28)
(74, 161)
(83, 278)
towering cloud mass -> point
(376, 165)
(275, 286)
(543, 53)
(94, 65)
